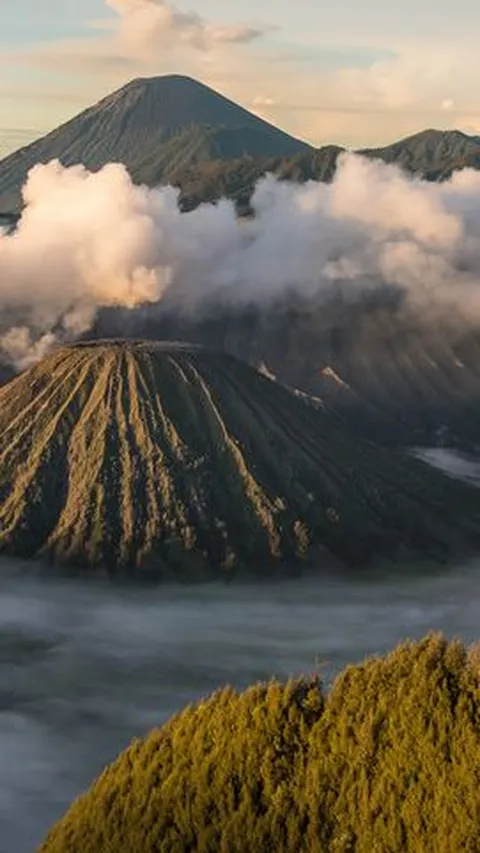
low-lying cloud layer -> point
(93, 240)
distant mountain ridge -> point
(175, 129)
(430, 152)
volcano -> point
(170, 460)
(154, 126)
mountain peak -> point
(154, 125)
(431, 153)
(166, 80)
(161, 85)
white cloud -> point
(148, 26)
(403, 82)
(90, 240)
(263, 101)
(263, 106)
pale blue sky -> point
(352, 72)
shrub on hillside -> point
(388, 761)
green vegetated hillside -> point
(236, 179)
(432, 154)
(185, 462)
(388, 761)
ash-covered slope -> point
(154, 126)
(405, 378)
(6, 373)
(184, 462)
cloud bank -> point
(92, 240)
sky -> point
(347, 72)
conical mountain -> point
(180, 461)
(154, 126)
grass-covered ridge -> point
(387, 761)
(186, 462)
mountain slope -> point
(236, 179)
(431, 153)
(152, 126)
(412, 379)
(291, 768)
(6, 373)
(179, 461)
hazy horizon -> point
(356, 77)
(12, 139)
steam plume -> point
(91, 240)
